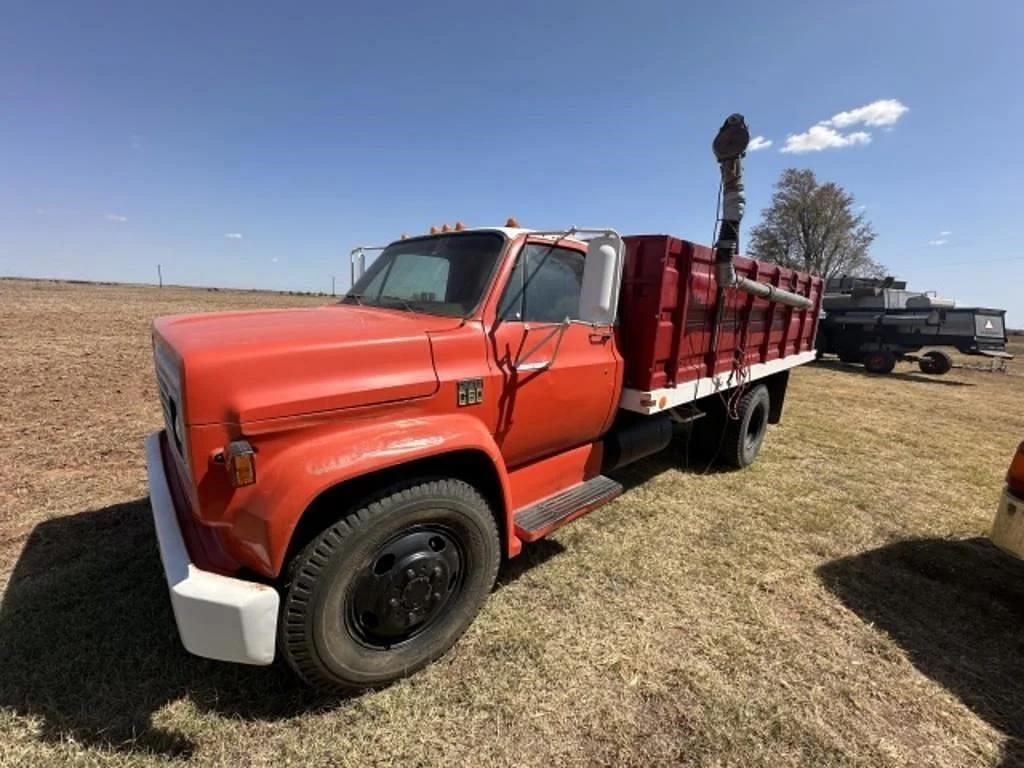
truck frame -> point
(338, 486)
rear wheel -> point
(744, 436)
(880, 361)
(391, 586)
(935, 362)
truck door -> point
(557, 382)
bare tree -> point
(813, 227)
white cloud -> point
(116, 217)
(940, 241)
(881, 112)
(945, 233)
(819, 137)
(233, 235)
(274, 260)
(823, 135)
(759, 142)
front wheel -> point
(391, 586)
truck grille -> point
(169, 388)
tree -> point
(813, 227)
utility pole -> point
(332, 285)
(159, 276)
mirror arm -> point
(561, 328)
(359, 254)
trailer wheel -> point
(744, 436)
(391, 586)
(880, 361)
(935, 362)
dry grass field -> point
(835, 605)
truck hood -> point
(239, 367)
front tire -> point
(391, 586)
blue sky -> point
(245, 146)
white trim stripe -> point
(650, 402)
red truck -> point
(337, 486)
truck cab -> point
(451, 370)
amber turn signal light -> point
(241, 463)
(1015, 477)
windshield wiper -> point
(398, 299)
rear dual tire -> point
(745, 435)
(391, 586)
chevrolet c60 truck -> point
(337, 486)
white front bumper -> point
(1008, 526)
(218, 617)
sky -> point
(253, 145)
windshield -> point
(441, 275)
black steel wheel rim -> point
(409, 585)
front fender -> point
(300, 472)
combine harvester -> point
(878, 321)
(337, 486)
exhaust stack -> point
(729, 147)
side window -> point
(544, 286)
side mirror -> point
(358, 258)
(602, 278)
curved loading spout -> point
(729, 147)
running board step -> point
(538, 520)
